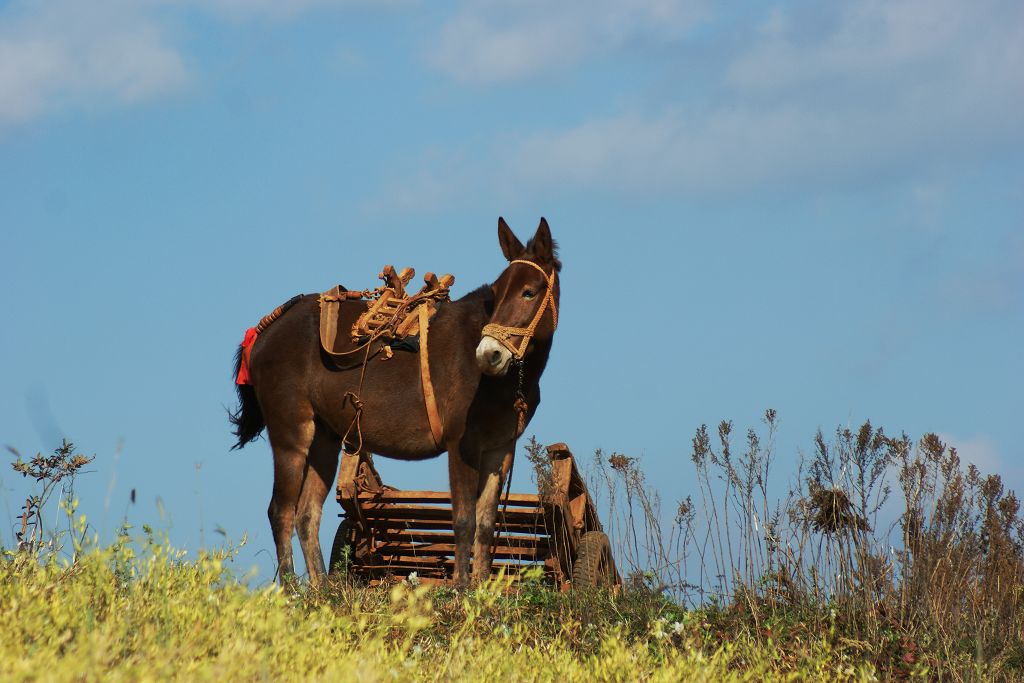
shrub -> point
(933, 577)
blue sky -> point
(815, 208)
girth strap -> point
(433, 415)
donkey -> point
(300, 395)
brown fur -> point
(298, 392)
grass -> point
(884, 559)
(912, 558)
(142, 611)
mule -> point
(486, 350)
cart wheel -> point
(594, 566)
(343, 549)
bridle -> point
(503, 333)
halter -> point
(504, 333)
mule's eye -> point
(529, 294)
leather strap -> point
(329, 304)
(433, 416)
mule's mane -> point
(483, 293)
(478, 302)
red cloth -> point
(243, 368)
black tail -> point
(248, 419)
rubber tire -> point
(342, 540)
(594, 566)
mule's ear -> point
(542, 244)
(510, 244)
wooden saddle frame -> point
(392, 314)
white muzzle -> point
(492, 357)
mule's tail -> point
(248, 419)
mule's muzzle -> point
(492, 357)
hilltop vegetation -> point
(126, 613)
(742, 586)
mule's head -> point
(525, 300)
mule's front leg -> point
(462, 478)
(494, 468)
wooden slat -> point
(412, 536)
(385, 511)
(440, 497)
(433, 563)
(407, 562)
(578, 510)
(404, 568)
(529, 527)
(383, 575)
(448, 550)
(411, 531)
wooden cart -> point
(386, 534)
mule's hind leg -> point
(290, 440)
(321, 466)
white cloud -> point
(867, 41)
(820, 94)
(698, 150)
(893, 84)
(502, 40)
(56, 52)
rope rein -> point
(357, 403)
(521, 407)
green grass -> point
(803, 589)
(143, 611)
